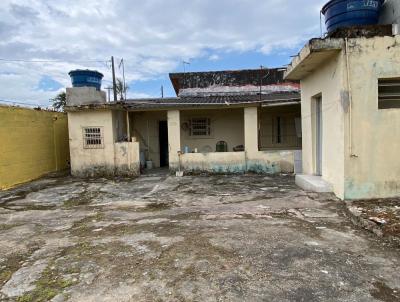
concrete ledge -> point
(313, 183)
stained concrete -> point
(198, 238)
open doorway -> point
(163, 142)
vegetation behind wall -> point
(32, 144)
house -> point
(350, 107)
(220, 122)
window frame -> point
(96, 136)
(387, 99)
(207, 126)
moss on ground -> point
(13, 263)
(49, 285)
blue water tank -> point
(86, 78)
(344, 13)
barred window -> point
(389, 93)
(200, 127)
(93, 138)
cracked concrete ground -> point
(196, 238)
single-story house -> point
(350, 108)
(221, 122)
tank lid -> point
(86, 71)
(334, 2)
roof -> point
(226, 79)
(311, 57)
(318, 50)
(195, 102)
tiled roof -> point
(221, 100)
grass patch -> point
(49, 285)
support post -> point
(251, 130)
(174, 138)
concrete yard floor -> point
(196, 238)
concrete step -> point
(313, 183)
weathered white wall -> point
(84, 95)
(374, 171)
(226, 125)
(360, 142)
(227, 162)
(329, 82)
(91, 161)
(127, 158)
(108, 161)
(390, 12)
(266, 162)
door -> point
(318, 136)
(163, 142)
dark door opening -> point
(163, 141)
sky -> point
(42, 40)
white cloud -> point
(153, 36)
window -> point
(200, 127)
(93, 138)
(389, 93)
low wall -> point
(32, 144)
(127, 159)
(263, 162)
(124, 160)
(227, 162)
(271, 162)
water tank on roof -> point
(344, 13)
(86, 78)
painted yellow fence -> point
(32, 143)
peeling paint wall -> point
(270, 162)
(374, 171)
(262, 162)
(114, 158)
(329, 82)
(127, 158)
(32, 143)
(227, 162)
(360, 142)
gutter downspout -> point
(351, 148)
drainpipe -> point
(351, 149)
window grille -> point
(389, 93)
(93, 138)
(200, 127)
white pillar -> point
(251, 130)
(174, 137)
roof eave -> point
(311, 57)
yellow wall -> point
(32, 143)
(115, 157)
(328, 81)
(374, 170)
(360, 142)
